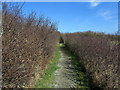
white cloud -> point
(94, 3)
(106, 15)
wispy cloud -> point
(105, 14)
(94, 3)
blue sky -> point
(78, 16)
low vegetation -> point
(98, 53)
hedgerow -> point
(28, 43)
(99, 54)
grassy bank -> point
(48, 76)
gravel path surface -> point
(65, 76)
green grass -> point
(48, 76)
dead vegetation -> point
(98, 54)
(28, 45)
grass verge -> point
(48, 76)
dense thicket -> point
(99, 54)
(28, 45)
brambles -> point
(28, 45)
(99, 54)
(29, 42)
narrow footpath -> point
(67, 76)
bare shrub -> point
(98, 54)
(28, 45)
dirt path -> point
(65, 76)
